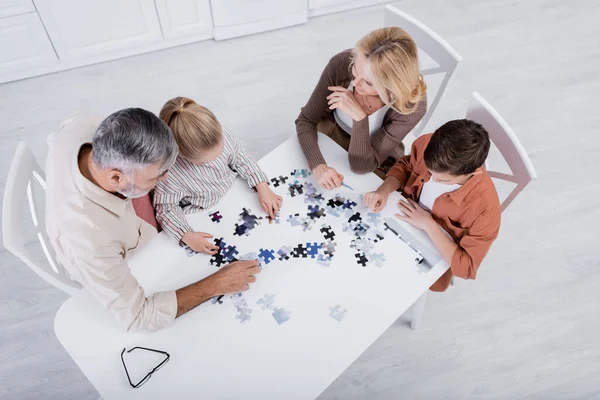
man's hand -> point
(269, 201)
(235, 277)
(414, 214)
(343, 99)
(377, 199)
(197, 242)
(328, 177)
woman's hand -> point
(343, 99)
(269, 201)
(414, 214)
(328, 177)
(197, 242)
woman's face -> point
(362, 82)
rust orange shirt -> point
(470, 214)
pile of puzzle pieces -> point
(226, 254)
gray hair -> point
(133, 139)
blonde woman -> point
(367, 100)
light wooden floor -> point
(527, 328)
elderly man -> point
(94, 168)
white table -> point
(213, 355)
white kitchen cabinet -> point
(24, 44)
(322, 7)
(233, 18)
(81, 29)
(10, 8)
(180, 18)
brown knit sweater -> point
(366, 152)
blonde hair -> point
(195, 127)
(392, 58)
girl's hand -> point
(270, 202)
(197, 242)
(343, 99)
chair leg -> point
(417, 312)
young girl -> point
(210, 158)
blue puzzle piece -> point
(266, 302)
(266, 255)
(229, 252)
(338, 313)
(281, 315)
(374, 218)
(312, 249)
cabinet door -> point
(24, 43)
(9, 8)
(180, 18)
(235, 12)
(81, 29)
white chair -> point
(19, 192)
(435, 47)
(505, 140)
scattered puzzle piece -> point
(295, 188)
(338, 313)
(312, 249)
(299, 252)
(327, 232)
(217, 299)
(374, 218)
(216, 217)
(266, 255)
(247, 222)
(315, 212)
(284, 253)
(266, 302)
(361, 259)
(279, 180)
(281, 315)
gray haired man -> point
(94, 168)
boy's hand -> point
(414, 214)
(197, 242)
(269, 201)
(376, 200)
(328, 177)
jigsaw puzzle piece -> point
(281, 315)
(266, 255)
(338, 313)
(266, 302)
(284, 253)
(215, 217)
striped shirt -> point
(191, 188)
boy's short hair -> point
(458, 147)
(195, 127)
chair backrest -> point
(23, 177)
(435, 47)
(505, 140)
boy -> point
(447, 186)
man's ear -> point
(116, 178)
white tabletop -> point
(213, 355)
